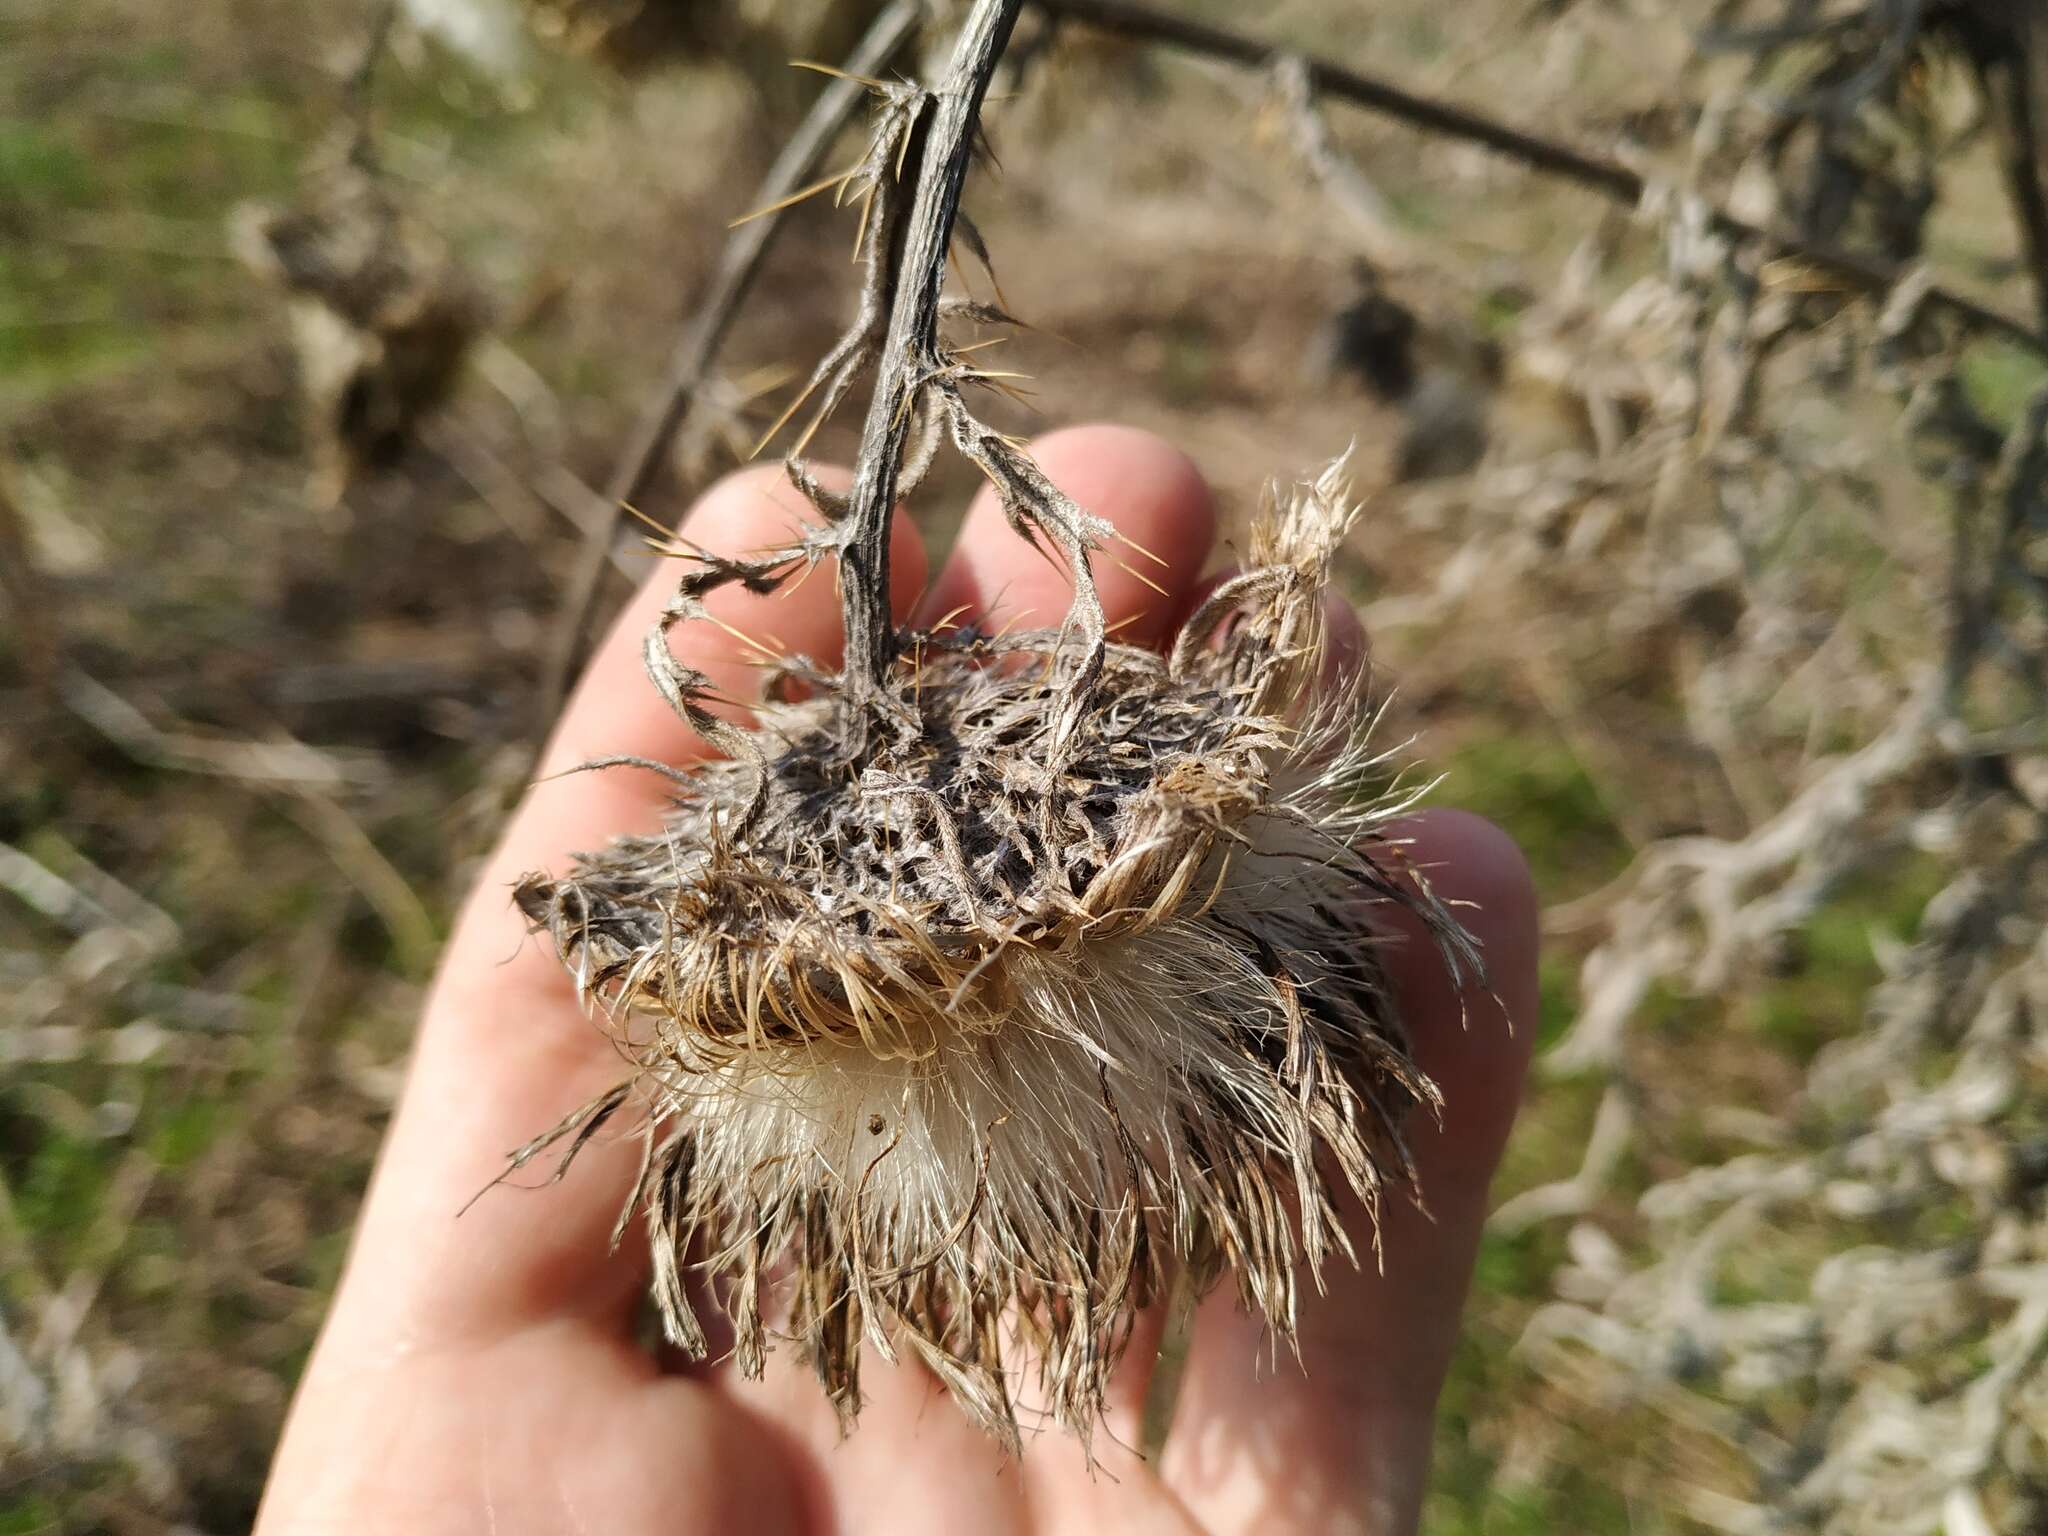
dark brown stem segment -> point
(22, 584)
(2012, 65)
(1608, 177)
(910, 347)
(696, 350)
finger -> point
(1341, 1443)
(965, 1480)
(504, 1050)
(1151, 492)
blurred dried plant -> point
(1799, 507)
(382, 318)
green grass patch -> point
(320, 1265)
(2000, 377)
(1833, 965)
(1550, 1135)
(1557, 999)
(28, 1515)
(1465, 1498)
(115, 201)
(1499, 312)
(1483, 1510)
(1189, 365)
(1768, 1267)
(1537, 789)
(182, 1134)
(61, 1191)
(40, 168)
(1519, 1264)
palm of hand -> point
(483, 1375)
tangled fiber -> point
(955, 1024)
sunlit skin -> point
(483, 1375)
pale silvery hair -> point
(954, 1039)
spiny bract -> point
(955, 1026)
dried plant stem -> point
(2009, 65)
(1608, 177)
(1373, 219)
(361, 79)
(911, 353)
(696, 350)
(34, 614)
(1331, 78)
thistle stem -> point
(938, 158)
(697, 348)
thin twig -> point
(85, 899)
(525, 502)
(697, 348)
(308, 775)
(358, 83)
(27, 596)
(285, 762)
(1608, 177)
(2008, 79)
(1376, 223)
(398, 906)
(287, 691)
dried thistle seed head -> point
(952, 1033)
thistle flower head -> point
(956, 1023)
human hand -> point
(483, 1375)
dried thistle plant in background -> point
(1822, 527)
(998, 974)
(382, 316)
